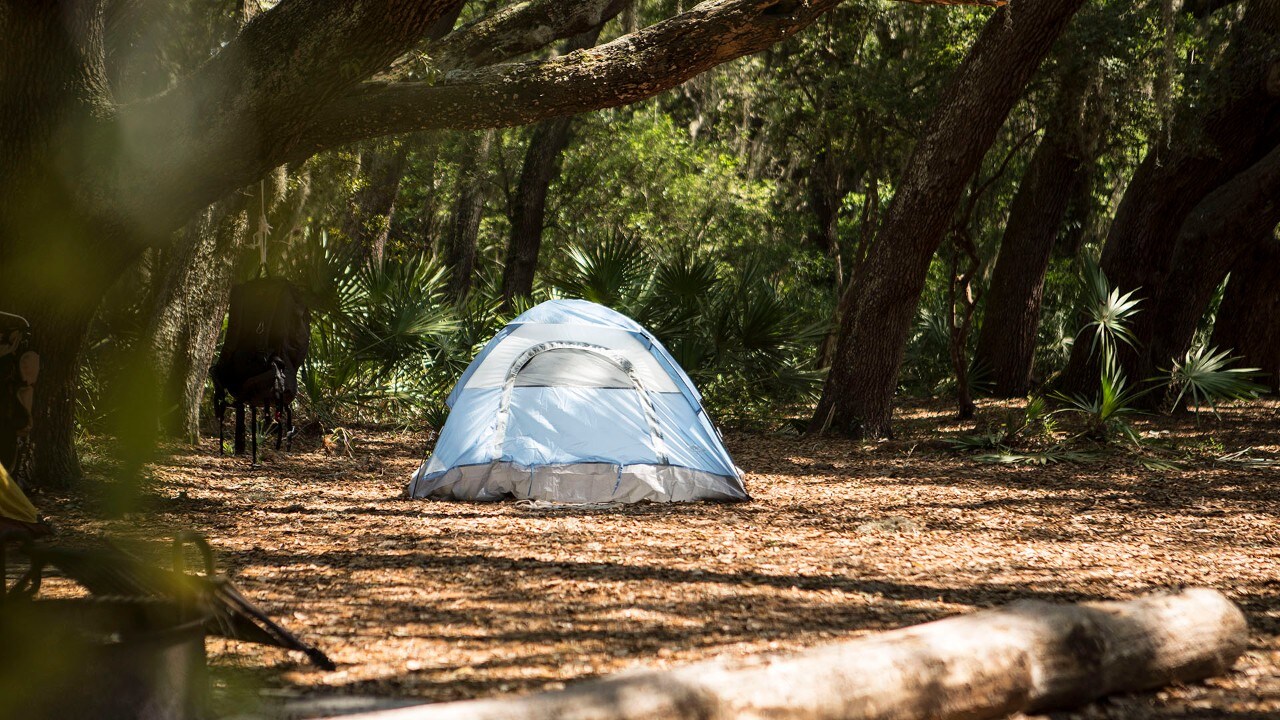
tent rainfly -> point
(575, 403)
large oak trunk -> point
(857, 398)
(53, 86)
(1210, 146)
(1242, 213)
(187, 313)
(1030, 656)
(1248, 321)
(1005, 353)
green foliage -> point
(1051, 456)
(1110, 314)
(608, 273)
(1203, 378)
(1108, 412)
(748, 352)
(635, 174)
(379, 333)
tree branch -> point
(292, 84)
(631, 68)
(227, 118)
(519, 29)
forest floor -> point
(431, 600)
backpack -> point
(268, 330)
(19, 367)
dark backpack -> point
(18, 368)
(268, 330)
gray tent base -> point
(577, 483)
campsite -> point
(449, 601)
(640, 359)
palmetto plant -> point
(380, 332)
(928, 367)
(394, 311)
(612, 273)
(1110, 314)
(745, 347)
(1204, 378)
(1109, 411)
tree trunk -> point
(528, 216)
(1248, 320)
(857, 398)
(962, 300)
(1210, 146)
(468, 207)
(1005, 353)
(427, 229)
(60, 343)
(59, 247)
(1031, 656)
(369, 222)
(188, 311)
(826, 190)
(1241, 213)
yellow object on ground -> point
(13, 503)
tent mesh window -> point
(572, 367)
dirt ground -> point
(440, 601)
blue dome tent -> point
(573, 402)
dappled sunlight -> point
(442, 600)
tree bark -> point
(825, 191)
(468, 207)
(369, 222)
(53, 85)
(1011, 321)
(522, 28)
(188, 311)
(1215, 139)
(1030, 656)
(528, 217)
(1237, 215)
(529, 214)
(1248, 321)
(857, 398)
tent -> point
(573, 402)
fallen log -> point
(1030, 656)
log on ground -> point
(1028, 656)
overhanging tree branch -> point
(518, 29)
(304, 53)
(292, 84)
(631, 68)
(524, 27)
(218, 128)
